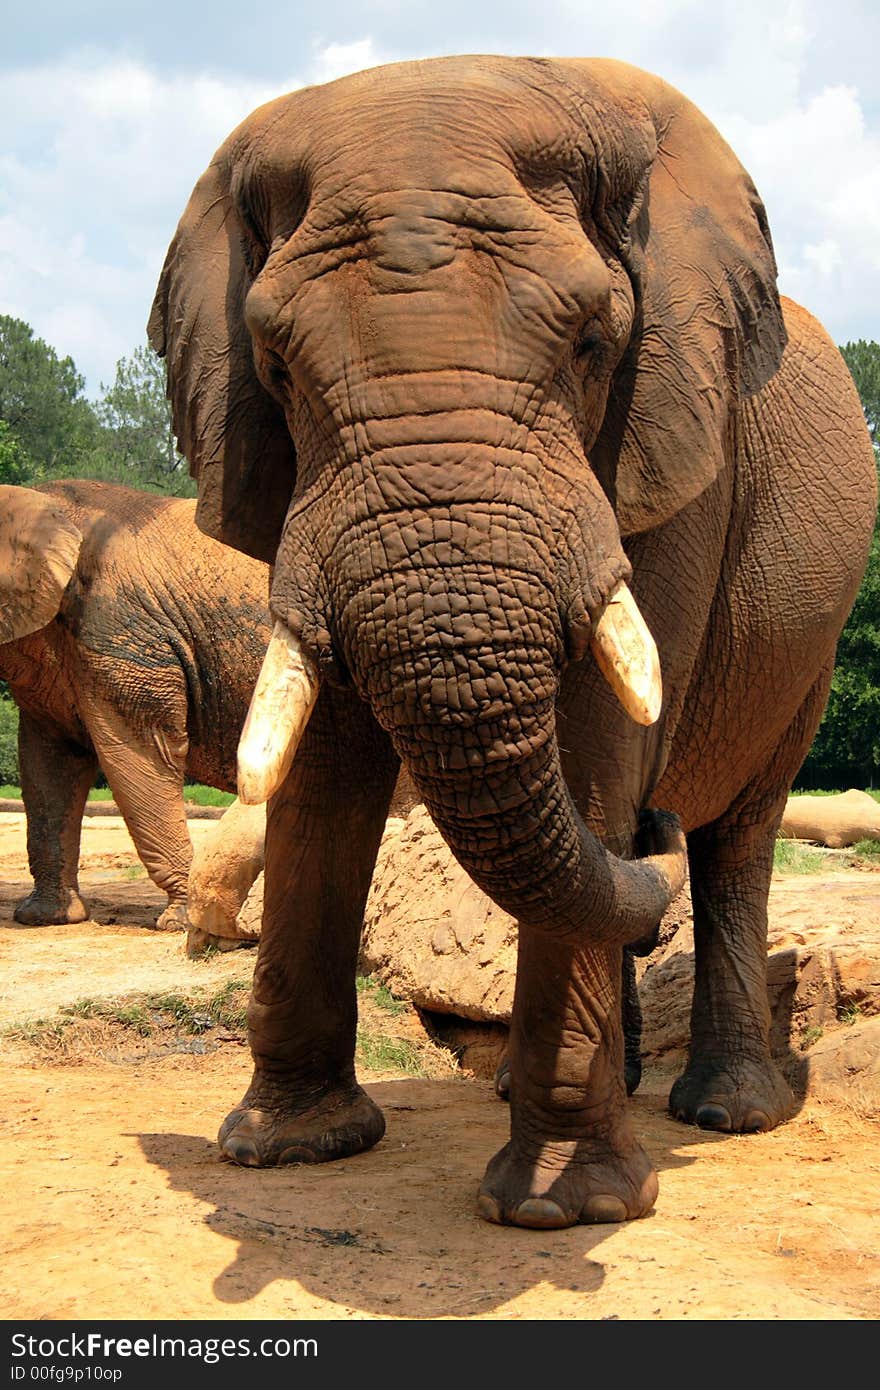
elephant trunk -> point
(471, 711)
(496, 791)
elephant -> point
(131, 641)
(566, 509)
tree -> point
(863, 360)
(846, 749)
(15, 466)
(49, 425)
(137, 445)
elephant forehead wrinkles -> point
(411, 232)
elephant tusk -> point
(283, 699)
(627, 657)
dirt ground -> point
(117, 1206)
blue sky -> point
(110, 112)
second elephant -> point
(130, 641)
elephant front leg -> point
(731, 1082)
(145, 769)
(304, 1104)
(572, 1155)
(56, 777)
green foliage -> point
(50, 427)
(137, 442)
(8, 738)
(379, 1052)
(863, 360)
(15, 466)
(835, 791)
(846, 749)
(49, 430)
(193, 792)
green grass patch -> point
(207, 796)
(193, 792)
(793, 857)
(810, 1035)
(848, 1014)
(380, 1052)
(371, 989)
(866, 849)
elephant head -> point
(440, 337)
(39, 547)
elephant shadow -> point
(394, 1232)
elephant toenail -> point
(297, 1153)
(756, 1122)
(604, 1208)
(489, 1209)
(241, 1152)
(714, 1117)
(541, 1214)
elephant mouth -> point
(289, 681)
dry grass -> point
(390, 1036)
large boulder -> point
(432, 937)
(823, 971)
(835, 821)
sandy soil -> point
(121, 1208)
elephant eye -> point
(589, 344)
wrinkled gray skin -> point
(459, 345)
(145, 666)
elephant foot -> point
(40, 909)
(174, 918)
(580, 1181)
(737, 1096)
(261, 1132)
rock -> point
(846, 1063)
(430, 935)
(251, 915)
(225, 865)
(433, 938)
(835, 821)
(823, 969)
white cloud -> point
(99, 153)
(338, 59)
(817, 167)
(826, 256)
(104, 157)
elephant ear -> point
(708, 330)
(39, 546)
(230, 430)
